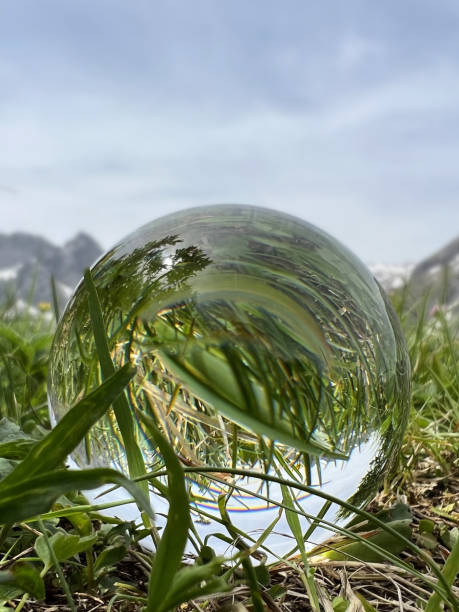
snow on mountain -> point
(436, 277)
(7, 274)
(392, 276)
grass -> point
(58, 552)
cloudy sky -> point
(345, 113)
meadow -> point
(58, 552)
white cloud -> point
(330, 116)
(355, 49)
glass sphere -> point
(261, 344)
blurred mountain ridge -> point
(27, 263)
(434, 279)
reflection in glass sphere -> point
(261, 343)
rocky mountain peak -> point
(82, 242)
(27, 263)
(436, 277)
(448, 256)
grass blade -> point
(172, 544)
(449, 572)
(34, 496)
(307, 576)
(373, 520)
(257, 600)
(196, 581)
(56, 310)
(198, 384)
(54, 448)
(58, 567)
(120, 405)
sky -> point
(344, 113)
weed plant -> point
(58, 552)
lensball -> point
(262, 346)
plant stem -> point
(449, 572)
(313, 491)
(22, 603)
(59, 571)
(4, 532)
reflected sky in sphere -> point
(261, 344)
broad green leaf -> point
(64, 545)
(6, 467)
(15, 338)
(8, 591)
(189, 576)
(449, 537)
(339, 604)
(14, 443)
(398, 512)
(263, 575)
(54, 448)
(196, 581)
(427, 540)
(206, 555)
(29, 498)
(426, 526)
(60, 573)
(21, 578)
(81, 522)
(345, 548)
(216, 584)
(277, 591)
(118, 534)
(398, 517)
(109, 557)
(17, 449)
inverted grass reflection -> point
(260, 344)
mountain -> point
(27, 263)
(439, 276)
(436, 277)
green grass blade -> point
(37, 494)
(257, 600)
(92, 509)
(54, 448)
(197, 383)
(294, 523)
(171, 547)
(373, 520)
(120, 405)
(58, 567)
(449, 572)
(57, 314)
(196, 581)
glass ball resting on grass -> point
(261, 344)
